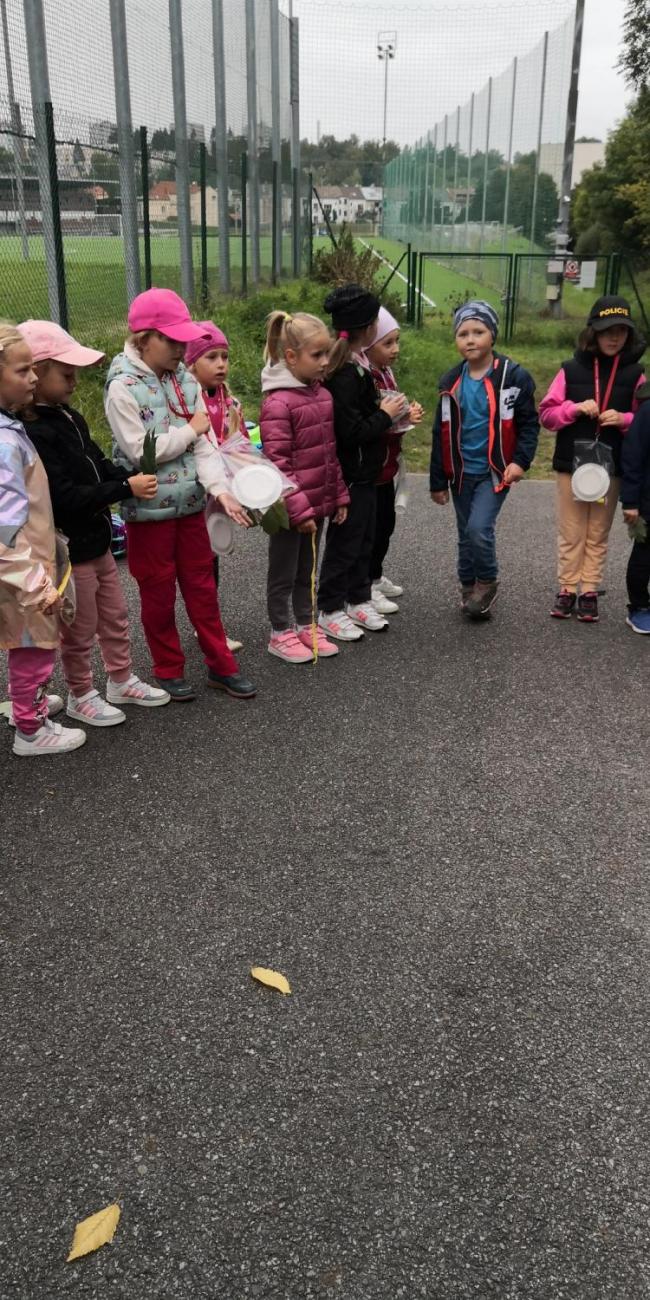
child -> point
(30, 604)
(83, 483)
(635, 498)
(592, 396)
(361, 424)
(381, 354)
(208, 359)
(297, 425)
(149, 390)
(484, 439)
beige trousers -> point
(583, 532)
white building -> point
(586, 154)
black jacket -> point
(580, 387)
(635, 485)
(513, 426)
(359, 425)
(83, 483)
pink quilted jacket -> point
(297, 427)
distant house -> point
(162, 201)
(347, 202)
(585, 154)
(460, 199)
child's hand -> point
(143, 486)
(512, 474)
(589, 408)
(341, 515)
(200, 422)
(392, 406)
(611, 419)
(307, 526)
(415, 412)
(440, 498)
(630, 516)
(232, 508)
(51, 601)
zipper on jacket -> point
(106, 512)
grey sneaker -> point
(466, 590)
(480, 602)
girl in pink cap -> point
(150, 391)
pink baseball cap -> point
(164, 311)
(49, 342)
(213, 337)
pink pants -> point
(30, 670)
(101, 615)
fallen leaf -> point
(272, 978)
(94, 1232)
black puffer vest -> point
(580, 387)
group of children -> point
(332, 421)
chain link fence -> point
(157, 144)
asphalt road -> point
(441, 838)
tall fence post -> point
(468, 184)
(456, 152)
(275, 141)
(182, 150)
(244, 225)
(146, 224)
(253, 157)
(39, 81)
(488, 123)
(506, 199)
(16, 137)
(433, 182)
(310, 225)
(129, 199)
(533, 214)
(221, 143)
(444, 183)
(205, 293)
(294, 92)
(562, 233)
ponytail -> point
(340, 354)
(285, 331)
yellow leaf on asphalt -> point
(272, 978)
(94, 1232)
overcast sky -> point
(445, 51)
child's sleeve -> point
(438, 481)
(628, 416)
(19, 571)
(353, 429)
(277, 444)
(68, 496)
(555, 409)
(635, 454)
(526, 421)
(123, 415)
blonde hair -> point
(9, 337)
(341, 352)
(285, 331)
(138, 338)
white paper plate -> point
(590, 482)
(257, 486)
(221, 532)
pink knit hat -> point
(48, 341)
(164, 311)
(385, 324)
(212, 337)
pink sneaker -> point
(285, 645)
(326, 649)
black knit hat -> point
(610, 311)
(351, 307)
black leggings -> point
(638, 576)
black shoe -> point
(588, 607)
(236, 685)
(179, 689)
(479, 604)
(564, 603)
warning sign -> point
(572, 272)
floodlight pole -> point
(386, 50)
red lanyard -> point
(608, 390)
(184, 411)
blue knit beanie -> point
(477, 310)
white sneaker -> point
(54, 706)
(389, 588)
(134, 691)
(366, 615)
(51, 738)
(339, 626)
(93, 710)
(234, 646)
(381, 602)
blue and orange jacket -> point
(513, 427)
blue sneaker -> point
(639, 621)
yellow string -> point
(314, 632)
(64, 581)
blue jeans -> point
(477, 506)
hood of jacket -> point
(276, 375)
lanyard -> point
(608, 390)
(184, 411)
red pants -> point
(160, 555)
(30, 670)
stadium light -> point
(386, 50)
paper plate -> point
(257, 486)
(590, 482)
(221, 532)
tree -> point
(634, 61)
(611, 205)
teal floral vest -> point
(179, 491)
